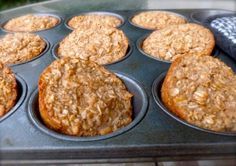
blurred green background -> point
(7, 4)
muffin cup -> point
(36, 57)
(139, 43)
(139, 104)
(37, 14)
(128, 53)
(156, 92)
(21, 93)
(149, 29)
(97, 13)
(200, 16)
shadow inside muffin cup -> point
(36, 14)
(139, 45)
(21, 93)
(128, 53)
(47, 46)
(200, 16)
(121, 18)
(156, 92)
(139, 104)
(151, 29)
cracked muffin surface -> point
(31, 23)
(157, 19)
(179, 40)
(8, 89)
(202, 91)
(94, 20)
(20, 47)
(79, 97)
(102, 45)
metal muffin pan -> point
(139, 102)
(152, 132)
(140, 41)
(21, 94)
(128, 52)
(96, 13)
(167, 11)
(37, 14)
(156, 91)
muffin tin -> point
(151, 133)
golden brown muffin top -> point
(8, 89)
(157, 19)
(202, 90)
(179, 40)
(94, 20)
(82, 98)
(20, 47)
(31, 23)
(102, 45)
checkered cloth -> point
(227, 26)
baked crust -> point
(179, 40)
(94, 20)
(202, 91)
(157, 19)
(20, 47)
(78, 97)
(102, 45)
(31, 23)
(8, 89)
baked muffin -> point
(79, 97)
(8, 89)
(31, 23)
(94, 20)
(179, 40)
(157, 19)
(102, 45)
(202, 91)
(20, 47)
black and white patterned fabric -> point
(227, 26)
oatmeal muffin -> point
(102, 45)
(79, 97)
(20, 47)
(202, 91)
(31, 23)
(8, 89)
(179, 40)
(94, 20)
(157, 19)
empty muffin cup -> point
(139, 103)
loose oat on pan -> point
(202, 91)
(157, 19)
(102, 45)
(94, 20)
(8, 89)
(179, 40)
(78, 97)
(20, 47)
(31, 23)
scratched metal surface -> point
(156, 134)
